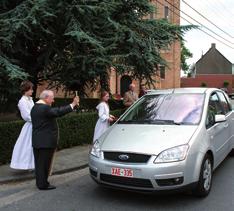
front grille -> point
(134, 182)
(127, 157)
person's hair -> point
(103, 94)
(25, 86)
(46, 93)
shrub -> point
(86, 105)
(203, 84)
(74, 129)
(225, 84)
(9, 132)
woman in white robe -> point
(22, 156)
(104, 116)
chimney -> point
(212, 45)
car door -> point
(227, 108)
(219, 133)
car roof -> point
(195, 90)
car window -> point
(225, 105)
(214, 107)
(166, 109)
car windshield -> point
(166, 109)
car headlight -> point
(173, 154)
(96, 151)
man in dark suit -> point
(45, 134)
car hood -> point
(147, 139)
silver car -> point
(169, 139)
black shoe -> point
(49, 187)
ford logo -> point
(123, 157)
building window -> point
(166, 12)
(162, 71)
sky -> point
(221, 14)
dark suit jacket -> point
(44, 125)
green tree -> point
(185, 54)
(191, 71)
(75, 42)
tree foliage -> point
(75, 42)
(185, 54)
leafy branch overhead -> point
(185, 54)
(68, 41)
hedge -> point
(74, 129)
(89, 103)
(85, 104)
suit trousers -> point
(43, 157)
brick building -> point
(211, 70)
(169, 77)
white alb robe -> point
(102, 123)
(22, 156)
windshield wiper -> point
(128, 122)
(171, 122)
(148, 121)
(163, 121)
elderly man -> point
(130, 96)
(45, 135)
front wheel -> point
(205, 178)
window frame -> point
(166, 12)
(229, 106)
(220, 105)
(162, 69)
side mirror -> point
(220, 118)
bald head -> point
(47, 96)
(46, 93)
(132, 87)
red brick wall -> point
(172, 55)
(210, 80)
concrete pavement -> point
(65, 160)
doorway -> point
(125, 81)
